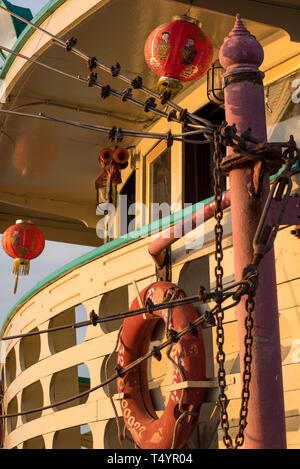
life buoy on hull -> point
(180, 416)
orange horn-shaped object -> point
(106, 156)
(121, 156)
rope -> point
(236, 295)
(121, 435)
(127, 314)
(76, 325)
(108, 130)
(91, 81)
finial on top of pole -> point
(240, 49)
(239, 28)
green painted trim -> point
(83, 380)
(39, 18)
(296, 166)
(2, 55)
(113, 245)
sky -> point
(54, 256)
(34, 5)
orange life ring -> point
(180, 416)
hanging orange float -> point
(121, 156)
(24, 242)
(174, 427)
(112, 162)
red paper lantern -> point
(22, 241)
(178, 52)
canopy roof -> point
(281, 13)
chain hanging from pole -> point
(248, 341)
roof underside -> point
(51, 167)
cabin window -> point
(283, 108)
(127, 215)
(198, 161)
(158, 175)
(160, 179)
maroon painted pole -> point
(241, 55)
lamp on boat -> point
(178, 52)
(215, 92)
(24, 242)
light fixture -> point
(215, 92)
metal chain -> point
(248, 341)
(223, 401)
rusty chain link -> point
(223, 401)
(248, 341)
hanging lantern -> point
(215, 92)
(178, 52)
(22, 241)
